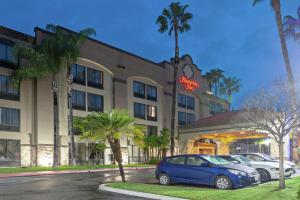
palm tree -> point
(59, 51)
(210, 79)
(277, 9)
(292, 26)
(174, 19)
(229, 86)
(65, 48)
(213, 78)
(110, 126)
(292, 30)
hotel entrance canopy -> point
(214, 134)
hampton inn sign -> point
(186, 79)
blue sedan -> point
(205, 170)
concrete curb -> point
(45, 173)
(103, 187)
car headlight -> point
(237, 172)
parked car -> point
(205, 170)
(267, 170)
(268, 158)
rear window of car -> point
(176, 160)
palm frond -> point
(256, 2)
(163, 23)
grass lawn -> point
(267, 191)
(7, 170)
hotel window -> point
(95, 78)
(78, 73)
(95, 102)
(181, 100)
(181, 118)
(215, 107)
(151, 93)
(9, 119)
(6, 52)
(190, 118)
(7, 89)
(151, 113)
(151, 130)
(139, 110)
(78, 99)
(190, 103)
(138, 89)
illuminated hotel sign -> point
(186, 79)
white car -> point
(267, 169)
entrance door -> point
(9, 152)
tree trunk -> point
(216, 89)
(116, 149)
(164, 153)
(276, 5)
(174, 89)
(281, 165)
(70, 117)
(56, 122)
(277, 9)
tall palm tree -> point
(277, 9)
(174, 19)
(58, 51)
(213, 78)
(229, 86)
(65, 48)
(110, 126)
(210, 80)
(292, 30)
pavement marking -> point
(103, 187)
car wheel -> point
(265, 176)
(223, 182)
(164, 179)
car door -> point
(199, 170)
(176, 168)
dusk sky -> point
(231, 35)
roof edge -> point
(104, 44)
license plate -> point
(256, 178)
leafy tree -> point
(174, 19)
(55, 54)
(273, 111)
(110, 126)
(164, 140)
(229, 86)
(213, 78)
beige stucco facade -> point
(120, 69)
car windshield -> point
(217, 160)
(243, 159)
(267, 157)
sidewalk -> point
(44, 173)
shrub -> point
(154, 161)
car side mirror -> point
(205, 164)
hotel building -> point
(106, 77)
